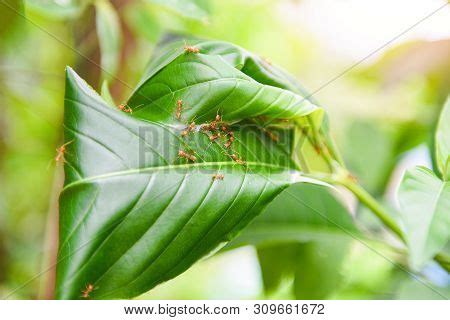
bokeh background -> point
(383, 94)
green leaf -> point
(303, 234)
(443, 141)
(109, 35)
(106, 94)
(230, 73)
(425, 205)
(172, 46)
(193, 9)
(301, 213)
(278, 263)
(319, 270)
(215, 83)
(314, 266)
(133, 213)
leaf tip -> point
(71, 75)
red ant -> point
(179, 109)
(191, 49)
(271, 135)
(230, 139)
(190, 128)
(125, 108)
(183, 154)
(352, 177)
(61, 150)
(236, 159)
(212, 126)
(209, 127)
(317, 149)
(214, 137)
(184, 133)
(218, 176)
(85, 292)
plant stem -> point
(320, 145)
(364, 197)
(345, 179)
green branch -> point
(370, 202)
(367, 199)
(344, 178)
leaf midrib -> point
(140, 170)
(228, 79)
(201, 83)
(180, 166)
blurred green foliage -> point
(378, 112)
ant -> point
(318, 147)
(184, 133)
(352, 177)
(237, 159)
(271, 135)
(214, 137)
(190, 128)
(191, 49)
(212, 126)
(183, 154)
(179, 109)
(85, 292)
(209, 127)
(218, 176)
(125, 108)
(61, 150)
(230, 139)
